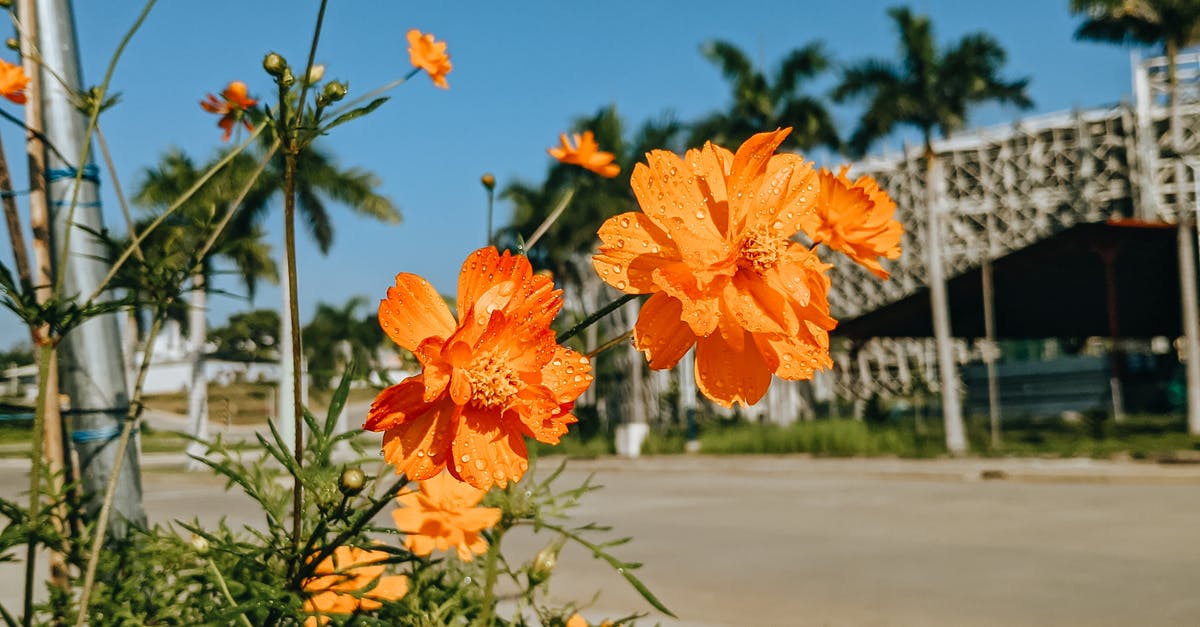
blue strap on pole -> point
(111, 432)
(91, 173)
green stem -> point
(35, 478)
(289, 231)
(490, 575)
(374, 92)
(550, 219)
(491, 198)
(594, 318)
(110, 489)
(225, 590)
(611, 343)
(138, 237)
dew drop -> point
(700, 215)
(420, 453)
(578, 378)
(466, 458)
(467, 580)
(625, 222)
(479, 464)
(620, 285)
(620, 243)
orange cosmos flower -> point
(13, 82)
(232, 106)
(586, 154)
(712, 246)
(444, 516)
(856, 219)
(488, 379)
(351, 579)
(429, 55)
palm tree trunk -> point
(1186, 250)
(956, 441)
(198, 388)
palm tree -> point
(1175, 24)
(567, 246)
(175, 241)
(319, 180)
(763, 103)
(931, 90)
(335, 337)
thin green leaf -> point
(355, 113)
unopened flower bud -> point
(12, 43)
(488, 180)
(334, 91)
(274, 64)
(200, 543)
(7, 4)
(352, 481)
(315, 73)
(287, 79)
(545, 561)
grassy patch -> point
(247, 403)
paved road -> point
(792, 541)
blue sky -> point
(522, 72)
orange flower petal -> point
(484, 454)
(414, 311)
(756, 307)
(396, 405)
(729, 376)
(701, 310)
(794, 358)
(567, 375)
(749, 162)
(667, 191)
(633, 247)
(711, 165)
(419, 447)
(483, 270)
(660, 332)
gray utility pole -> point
(91, 369)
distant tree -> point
(763, 103)
(339, 336)
(20, 354)
(248, 336)
(932, 90)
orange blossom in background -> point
(711, 245)
(349, 580)
(855, 219)
(231, 106)
(586, 154)
(443, 516)
(488, 379)
(13, 82)
(429, 55)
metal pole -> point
(1191, 309)
(956, 440)
(92, 368)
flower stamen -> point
(493, 383)
(761, 249)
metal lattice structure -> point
(1007, 187)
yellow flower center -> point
(492, 382)
(761, 249)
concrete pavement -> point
(796, 541)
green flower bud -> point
(12, 43)
(488, 180)
(315, 73)
(334, 91)
(545, 561)
(200, 543)
(287, 79)
(274, 64)
(352, 481)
